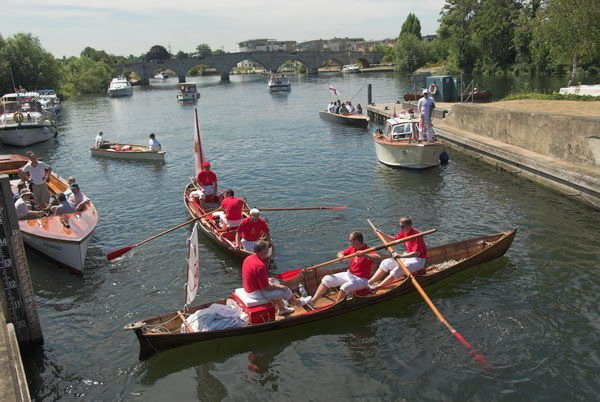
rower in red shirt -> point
(250, 230)
(414, 258)
(231, 214)
(207, 181)
(356, 278)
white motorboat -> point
(128, 152)
(187, 92)
(50, 101)
(23, 121)
(161, 75)
(399, 145)
(278, 83)
(63, 238)
(120, 87)
(350, 69)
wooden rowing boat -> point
(165, 332)
(63, 238)
(355, 120)
(129, 152)
(224, 237)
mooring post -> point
(369, 95)
(17, 288)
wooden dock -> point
(379, 113)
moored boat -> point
(350, 69)
(63, 238)
(278, 83)
(161, 75)
(399, 145)
(119, 86)
(23, 121)
(355, 120)
(187, 92)
(173, 330)
(128, 151)
(50, 101)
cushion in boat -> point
(248, 300)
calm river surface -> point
(534, 314)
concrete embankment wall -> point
(571, 139)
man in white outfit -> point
(38, 173)
(426, 105)
(153, 144)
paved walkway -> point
(13, 383)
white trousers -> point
(248, 245)
(226, 222)
(347, 281)
(413, 264)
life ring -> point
(18, 117)
(432, 89)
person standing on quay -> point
(426, 106)
(38, 173)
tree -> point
(157, 52)
(203, 50)
(218, 52)
(454, 33)
(388, 51)
(411, 52)
(83, 75)
(181, 55)
(412, 25)
(570, 30)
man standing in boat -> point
(255, 280)
(207, 180)
(231, 214)
(426, 105)
(414, 258)
(356, 278)
(250, 230)
(153, 144)
(38, 173)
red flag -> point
(198, 151)
(333, 90)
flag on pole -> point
(333, 90)
(198, 151)
(193, 280)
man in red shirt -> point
(356, 278)
(256, 283)
(414, 257)
(207, 180)
(232, 210)
(250, 230)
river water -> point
(534, 313)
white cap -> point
(425, 91)
(254, 211)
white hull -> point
(69, 254)
(131, 155)
(187, 97)
(279, 88)
(417, 156)
(113, 93)
(24, 135)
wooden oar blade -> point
(117, 253)
(334, 207)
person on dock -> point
(250, 230)
(256, 283)
(231, 214)
(356, 278)
(63, 206)
(414, 258)
(207, 180)
(23, 206)
(153, 144)
(426, 105)
(38, 173)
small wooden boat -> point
(129, 152)
(63, 238)
(224, 237)
(165, 332)
(399, 146)
(355, 120)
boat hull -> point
(414, 156)
(187, 97)
(279, 88)
(26, 134)
(70, 254)
(354, 120)
(119, 92)
(158, 156)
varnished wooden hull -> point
(467, 253)
(354, 120)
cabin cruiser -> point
(401, 145)
(50, 101)
(120, 87)
(351, 69)
(161, 75)
(278, 83)
(187, 92)
(23, 121)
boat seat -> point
(258, 310)
(248, 300)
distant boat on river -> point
(128, 152)
(278, 83)
(120, 87)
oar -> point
(478, 357)
(117, 253)
(300, 208)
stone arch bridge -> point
(271, 61)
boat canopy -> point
(187, 85)
(399, 120)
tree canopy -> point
(412, 25)
(203, 50)
(157, 52)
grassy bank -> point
(552, 96)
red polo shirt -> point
(252, 231)
(359, 266)
(206, 177)
(417, 244)
(255, 275)
(233, 208)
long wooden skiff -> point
(355, 120)
(63, 238)
(128, 152)
(164, 332)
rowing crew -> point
(358, 277)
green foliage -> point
(412, 25)
(83, 75)
(203, 50)
(411, 53)
(31, 65)
(181, 55)
(157, 52)
(552, 96)
(389, 53)
(101, 55)
(218, 52)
